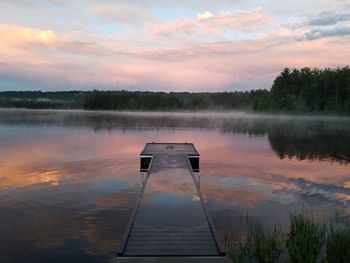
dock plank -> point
(170, 220)
(172, 260)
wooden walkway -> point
(171, 218)
(171, 260)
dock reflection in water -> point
(69, 180)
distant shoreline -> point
(186, 113)
(315, 92)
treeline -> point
(43, 100)
(299, 91)
(296, 91)
(146, 101)
(308, 90)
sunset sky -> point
(186, 45)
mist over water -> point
(70, 179)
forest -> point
(299, 91)
(43, 100)
(308, 90)
(303, 90)
(146, 101)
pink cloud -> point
(207, 23)
(127, 13)
(75, 60)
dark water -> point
(69, 180)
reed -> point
(307, 240)
(264, 245)
(338, 245)
(260, 245)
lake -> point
(69, 180)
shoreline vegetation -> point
(304, 91)
(307, 240)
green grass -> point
(237, 255)
(306, 241)
(338, 246)
(264, 245)
(260, 245)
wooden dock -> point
(171, 219)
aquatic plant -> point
(261, 245)
(264, 245)
(237, 255)
(338, 245)
(305, 238)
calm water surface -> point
(70, 179)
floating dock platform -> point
(170, 219)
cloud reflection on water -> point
(69, 180)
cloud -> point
(321, 33)
(204, 15)
(208, 23)
(124, 13)
(12, 35)
(328, 18)
(47, 59)
(40, 45)
(316, 193)
(208, 50)
(323, 25)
